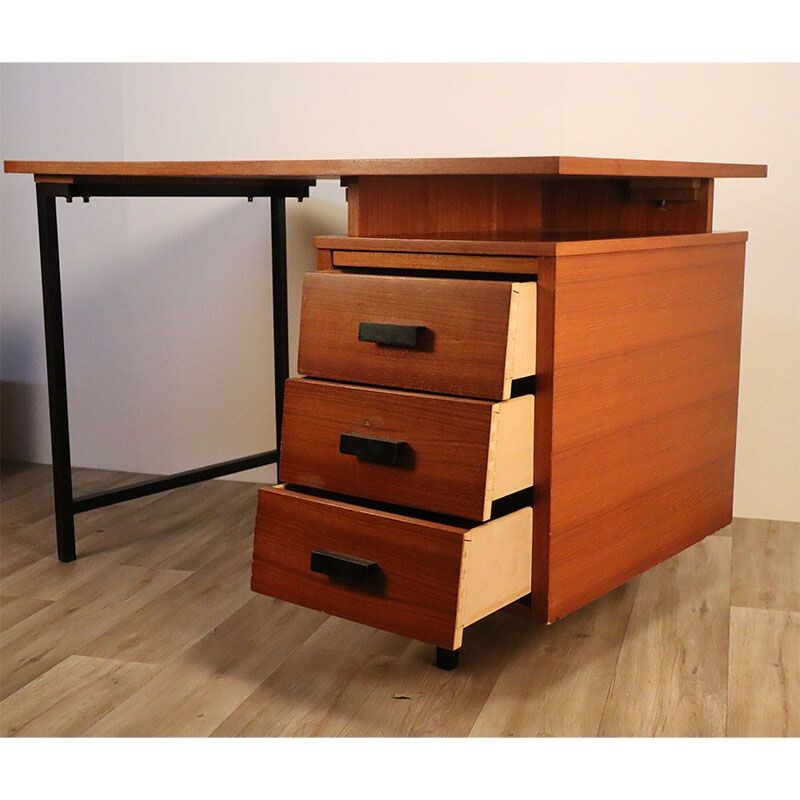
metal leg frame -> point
(66, 505)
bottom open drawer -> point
(421, 579)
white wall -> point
(167, 301)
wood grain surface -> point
(632, 302)
(535, 243)
(448, 450)
(764, 671)
(674, 655)
(612, 205)
(556, 679)
(766, 565)
(657, 334)
(420, 564)
(500, 206)
(335, 168)
(407, 205)
(72, 696)
(467, 347)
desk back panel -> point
(508, 206)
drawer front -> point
(442, 454)
(460, 337)
(416, 578)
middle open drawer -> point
(448, 455)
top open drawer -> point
(448, 336)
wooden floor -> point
(153, 631)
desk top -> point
(517, 165)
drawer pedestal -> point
(472, 403)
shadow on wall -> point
(24, 426)
(23, 410)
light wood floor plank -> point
(671, 679)
(154, 630)
(764, 683)
(725, 532)
(70, 696)
(40, 641)
(443, 703)
(49, 579)
(161, 630)
(180, 530)
(36, 501)
(766, 564)
(198, 690)
(34, 541)
(22, 544)
(200, 528)
(556, 683)
(18, 477)
(318, 689)
(16, 609)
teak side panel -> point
(601, 553)
(609, 304)
(658, 332)
(627, 388)
(448, 438)
(469, 346)
(421, 562)
(594, 476)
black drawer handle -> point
(343, 568)
(390, 335)
(366, 448)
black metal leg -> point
(446, 659)
(56, 374)
(66, 505)
(280, 309)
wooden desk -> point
(593, 291)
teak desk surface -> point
(341, 168)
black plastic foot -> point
(446, 659)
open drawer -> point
(422, 579)
(444, 335)
(448, 455)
